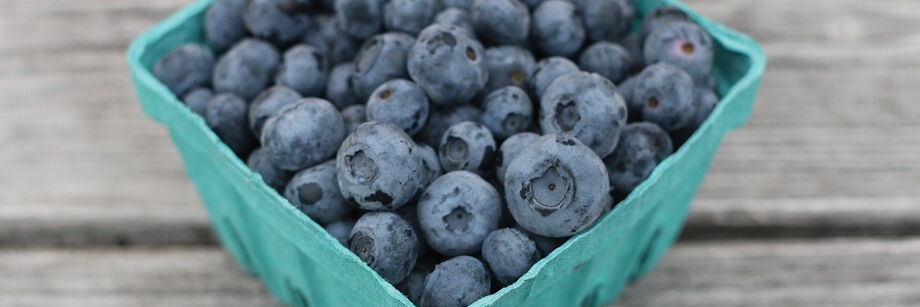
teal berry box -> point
(303, 265)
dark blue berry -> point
(314, 192)
(501, 22)
(642, 146)
(556, 186)
(185, 67)
(386, 243)
(380, 59)
(448, 64)
(507, 111)
(607, 59)
(399, 102)
(223, 23)
(557, 28)
(304, 70)
(665, 93)
(274, 176)
(303, 134)
(227, 115)
(267, 103)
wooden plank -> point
(137, 277)
(832, 136)
(843, 273)
(830, 148)
(836, 273)
(87, 166)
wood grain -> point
(867, 272)
(831, 146)
(137, 277)
(81, 163)
(783, 273)
(831, 143)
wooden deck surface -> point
(814, 201)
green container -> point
(303, 265)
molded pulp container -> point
(303, 265)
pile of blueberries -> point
(450, 144)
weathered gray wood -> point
(81, 162)
(831, 146)
(831, 141)
(864, 272)
(137, 277)
(783, 273)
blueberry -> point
(705, 101)
(430, 164)
(197, 100)
(246, 69)
(409, 16)
(414, 285)
(607, 59)
(314, 192)
(259, 52)
(267, 103)
(532, 4)
(448, 64)
(457, 17)
(303, 134)
(467, 146)
(460, 4)
(266, 20)
(586, 106)
(274, 176)
(665, 93)
(659, 16)
(325, 35)
(303, 70)
(557, 28)
(546, 244)
(509, 253)
(501, 22)
(509, 149)
(626, 88)
(507, 111)
(226, 115)
(547, 71)
(556, 186)
(441, 119)
(386, 243)
(380, 59)
(457, 211)
(378, 167)
(708, 82)
(341, 229)
(508, 65)
(683, 44)
(338, 89)
(642, 146)
(633, 45)
(399, 102)
(223, 23)
(184, 68)
(458, 281)
(409, 213)
(354, 116)
(360, 19)
(605, 19)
